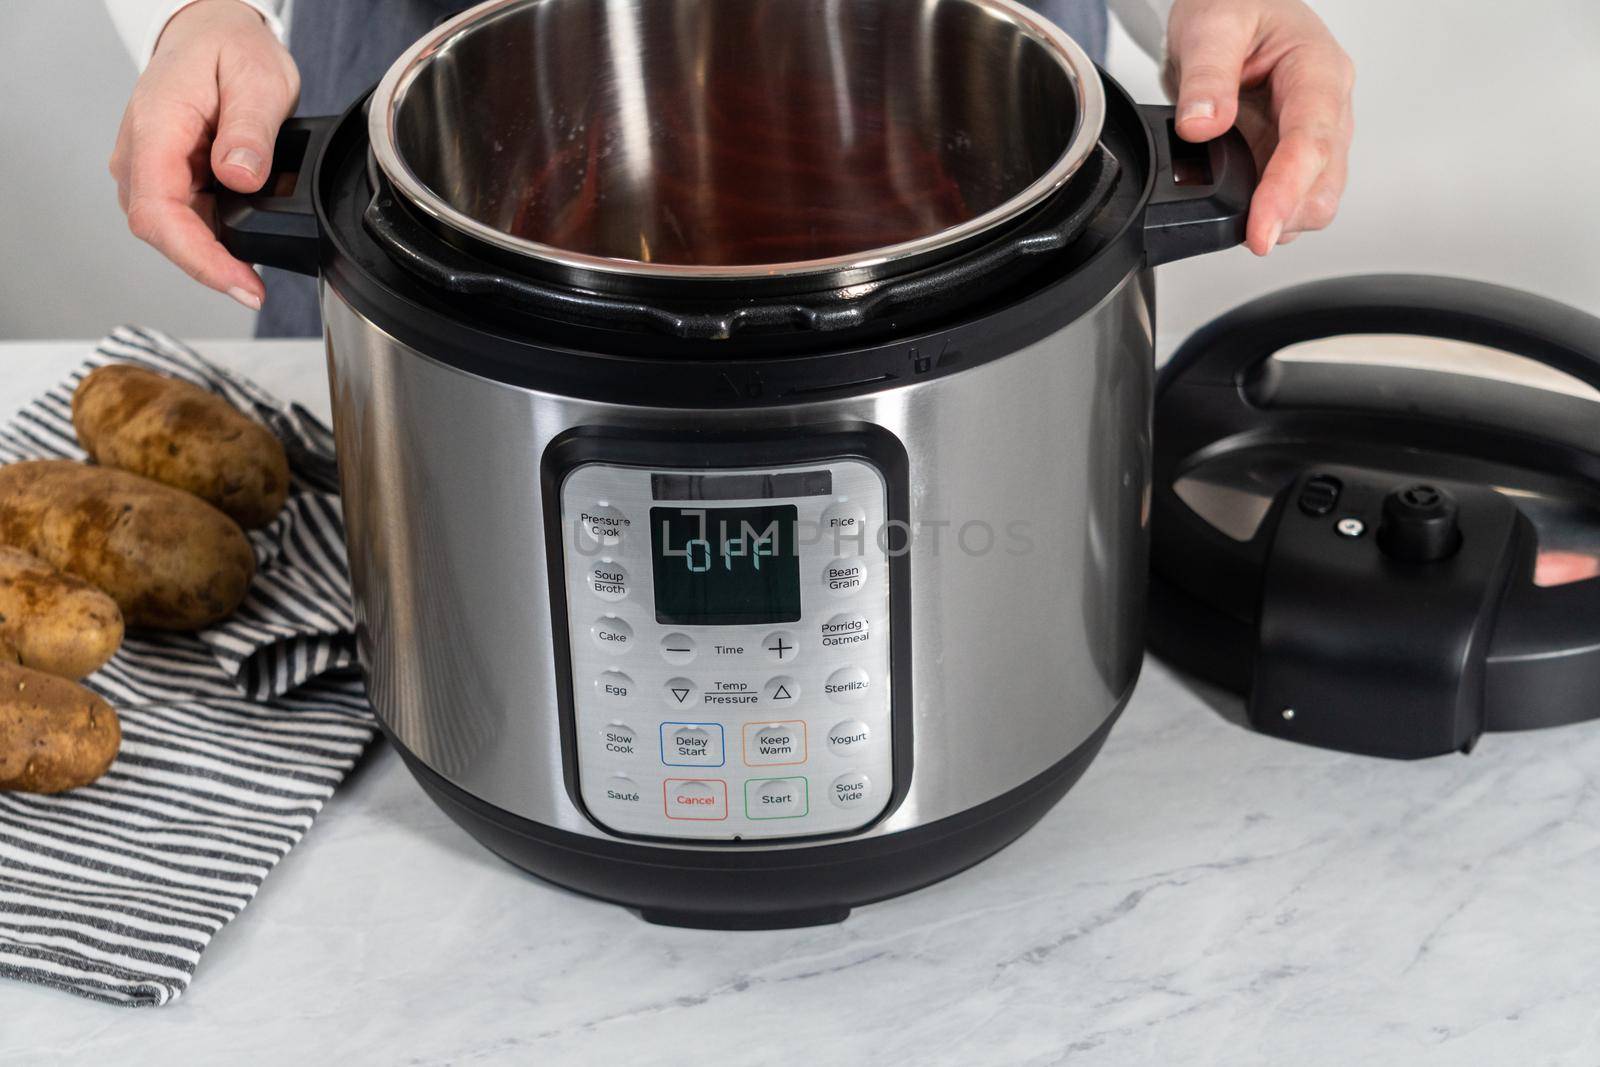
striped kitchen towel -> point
(232, 738)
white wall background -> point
(1477, 153)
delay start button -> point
(700, 799)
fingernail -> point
(1197, 109)
(244, 157)
(1273, 235)
(246, 297)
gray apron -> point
(343, 47)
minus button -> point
(677, 648)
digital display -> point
(726, 566)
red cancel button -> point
(705, 799)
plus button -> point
(779, 646)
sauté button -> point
(845, 576)
(782, 690)
(614, 686)
(610, 632)
(681, 693)
(780, 647)
(677, 649)
(847, 685)
(769, 743)
(704, 799)
(609, 580)
(850, 790)
(622, 792)
(848, 736)
(619, 739)
(775, 798)
(845, 630)
(603, 524)
(691, 744)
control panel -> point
(729, 633)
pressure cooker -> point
(743, 418)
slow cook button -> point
(622, 792)
(603, 524)
(615, 687)
(844, 576)
(619, 739)
(691, 744)
(769, 743)
(775, 798)
(847, 685)
(848, 736)
(612, 633)
(850, 790)
(843, 631)
(609, 580)
(703, 799)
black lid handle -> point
(277, 227)
(1202, 192)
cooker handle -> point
(1202, 191)
(277, 227)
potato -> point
(180, 435)
(169, 560)
(54, 734)
(54, 622)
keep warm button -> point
(702, 799)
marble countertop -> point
(1205, 895)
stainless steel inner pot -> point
(734, 138)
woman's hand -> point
(1273, 68)
(210, 102)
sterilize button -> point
(844, 527)
(619, 739)
(780, 691)
(677, 649)
(691, 744)
(609, 580)
(850, 790)
(681, 693)
(769, 743)
(614, 686)
(845, 576)
(848, 736)
(775, 798)
(603, 524)
(845, 630)
(847, 685)
(612, 633)
(780, 647)
(696, 798)
(622, 791)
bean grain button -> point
(609, 580)
(612, 633)
(850, 790)
(847, 685)
(844, 576)
(848, 736)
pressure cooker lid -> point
(605, 144)
(1376, 512)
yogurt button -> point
(614, 686)
(847, 685)
(609, 580)
(610, 632)
(850, 790)
(848, 736)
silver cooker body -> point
(1019, 651)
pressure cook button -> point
(845, 576)
(615, 687)
(619, 739)
(612, 633)
(780, 647)
(622, 792)
(609, 580)
(775, 798)
(681, 693)
(847, 685)
(850, 790)
(691, 744)
(677, 649)
(844, 525)
(704, 799)
(845, 630)
(770, 743)
(848, 736)
(780, 691)
(603, 524)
